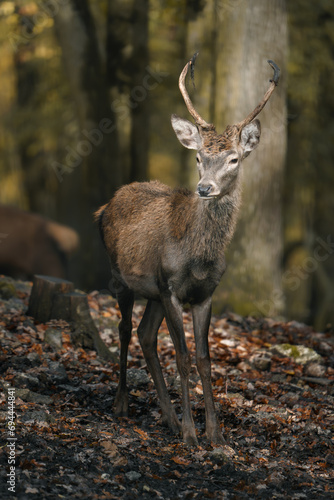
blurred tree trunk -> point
(27, 78)
(31, 152)
(93, 165)
(139, 140)
(174, 28)
(309, 260)
(128, 77)
(251, 33)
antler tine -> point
(198, 119)
(260, 106)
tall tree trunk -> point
(251, 33)
(139, 140)
(130, 81)
(93, 163)
(309, 262)
(31, 151)
(170, 47)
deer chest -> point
(195, 280)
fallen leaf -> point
(110, 448)
(142, 433)
(181, 460)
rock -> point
(71, 388)
(57, 373)
(28, 380)
(137, 377)
(315, 370)
(297, 325)
(299, 353)
(234, 372)
(53, 337)
(105, 475)
(261, 361)
(223, 454)
(95, 362)
(32, 397)
(236, 318)
(318, 380)
(250, 395)
(20, 362)
(133, 475)
(289, 399)
(34, 358)
(37, 416)
(249, 392)
(326, 348)
(28, 326)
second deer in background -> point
(168, 246)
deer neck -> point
(219, 215)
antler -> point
(259, 107)
(198, 119)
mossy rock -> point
(7, 290)
(299, 353)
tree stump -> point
(54, 298)
(44, 289)
(71, 306)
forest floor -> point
(276, 403)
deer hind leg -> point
(125, 301)
(173, 312)
(147, 333)
(201, 319)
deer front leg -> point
(201, 319)
(147, 333)
(173, 313)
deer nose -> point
(203, 190)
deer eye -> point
(234, 161)
(198, 158)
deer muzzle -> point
(205, 191)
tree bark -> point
(94, 169)
(309, 269)
(43, 293)
(252, 33)
(139, 139)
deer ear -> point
(250, 137)
(186, 132)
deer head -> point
(219, 155)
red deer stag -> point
(168, 246)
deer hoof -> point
(190, 440)
(173, 423)
(215, 437)
(121, 405)
(121, 413)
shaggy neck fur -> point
(207, 226)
